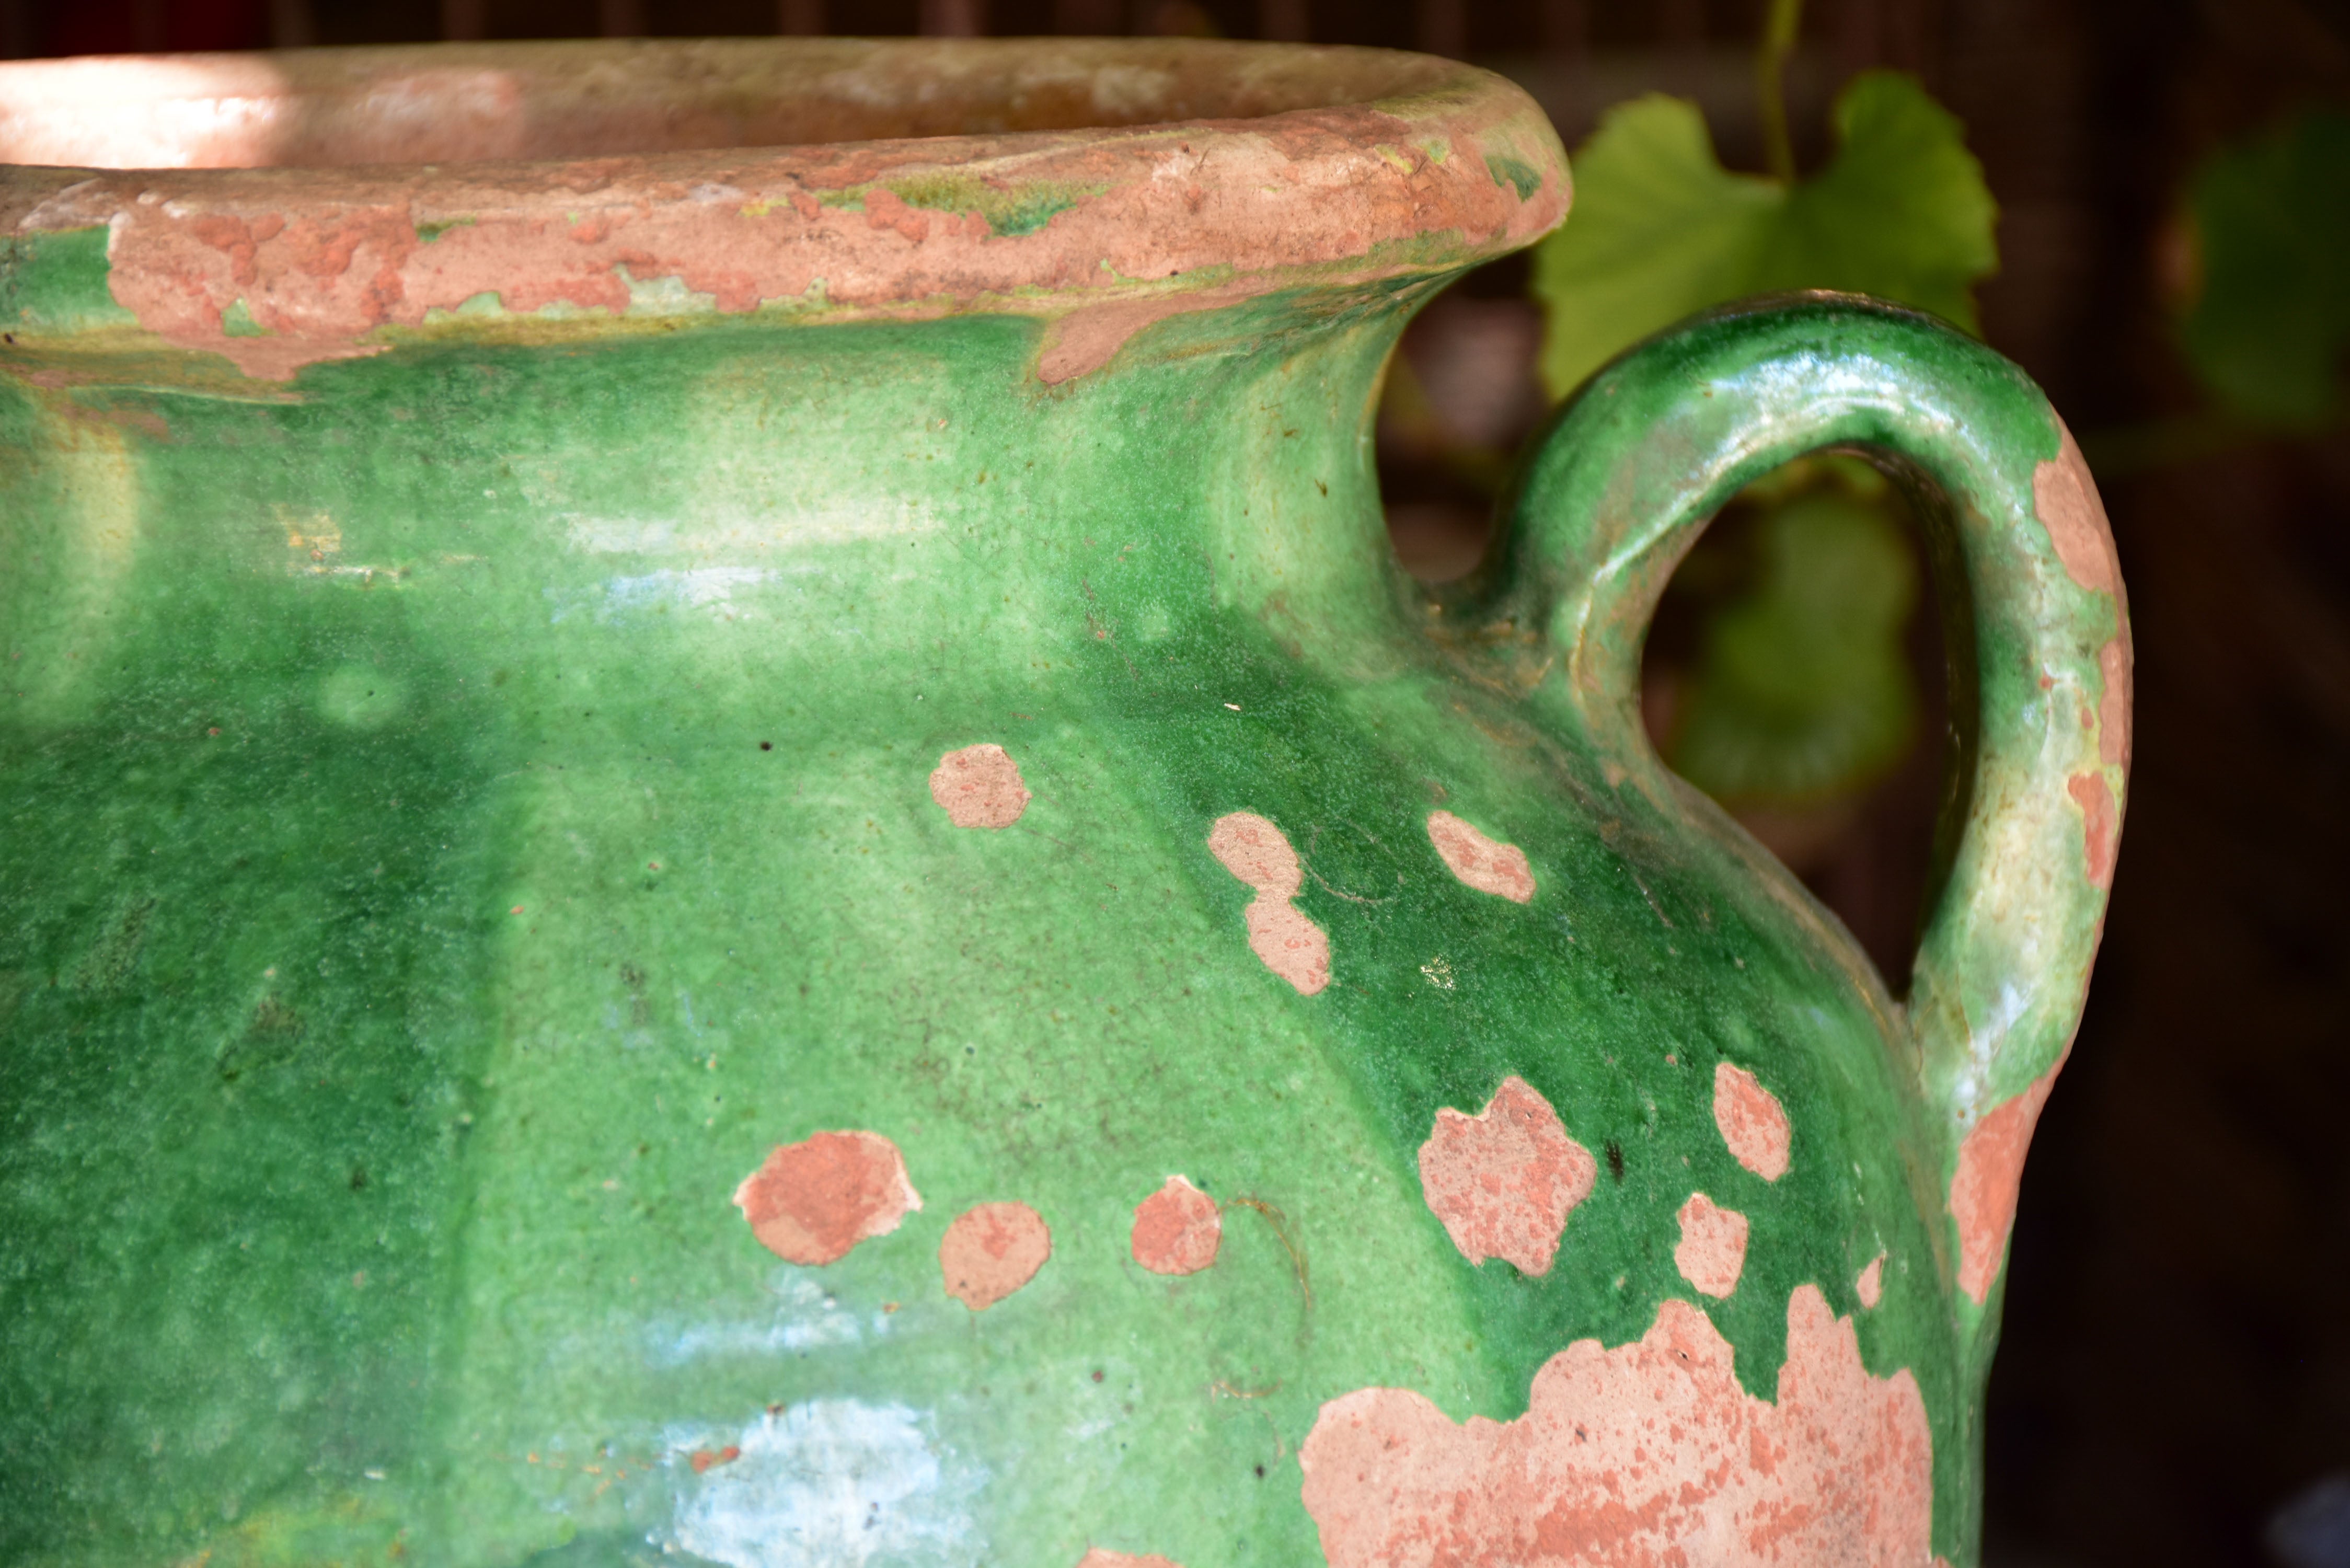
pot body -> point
(486, 819)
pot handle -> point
(2036, 626)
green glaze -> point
(466, 807)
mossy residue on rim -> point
(1010, 210)
(1515, 172)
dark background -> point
(2176, 1366)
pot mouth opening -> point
(465, 103)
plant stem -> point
(1780, 26)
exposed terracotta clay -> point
(1097, 1557)
(1505, 1180)
(1085, 340)
(1280, 935)
(1177, 1229)
(1870, 1286)
(1712, 1252)
(1752, 1122)
(1480, 863)
(2113, 702)
(2100, 824)
(980, 786)
(1990, 1173)
(2066, 499)
(993, 1249)
(813, 1201)
(1647, 1456)
(1292, 946)
(1258, 853)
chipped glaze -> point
(1480, 863)
(1990, 1176)
(811, 1201)
(1869, 1284)
(557, 835)
(2065, 497)
(1505, 1181)
(1752, 1121)
(980, 786)
(1712, 1252)
(2100, 825)
(1281, 934)
(1177, 1229)
(2113, 719)
(1101, 1557)
(1650, 1455)
(992, 1250)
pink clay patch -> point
(1252, 849)
(2067, 500)
(1480, 863)
(980, 786)
(1646, 1456)
(1283, 940)
(1505, 1180)
(813, 1201)
(2100, 825)
(1989, 1175)
(1177, 1229)
(1097, 1557)
(993, 1249)
(2114, 701)
(1088, 337)
(1289, 944)
(1870, 1286)
(1712, 1252)
(1752, 1122)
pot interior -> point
(460, 103)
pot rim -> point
(1363, 166)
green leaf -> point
(1801, 690)
(1661, 230)
(2268, 332)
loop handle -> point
(2037, 630)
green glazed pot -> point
(751, 857)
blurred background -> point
(2145, 203)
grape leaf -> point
(2272, 218)
(1660, 230)
(1802, 691)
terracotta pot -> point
(750, 856)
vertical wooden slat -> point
(17, 39)
(1910, 36)
(954, 18)
(1680, 24)
(1089, 18)
(1284, 21)
(1444, 29)
(800, 18)
(291, 25)
(150, 27)
(620, 18)
(1859, 36)
(462, 20)
(1565, 29)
